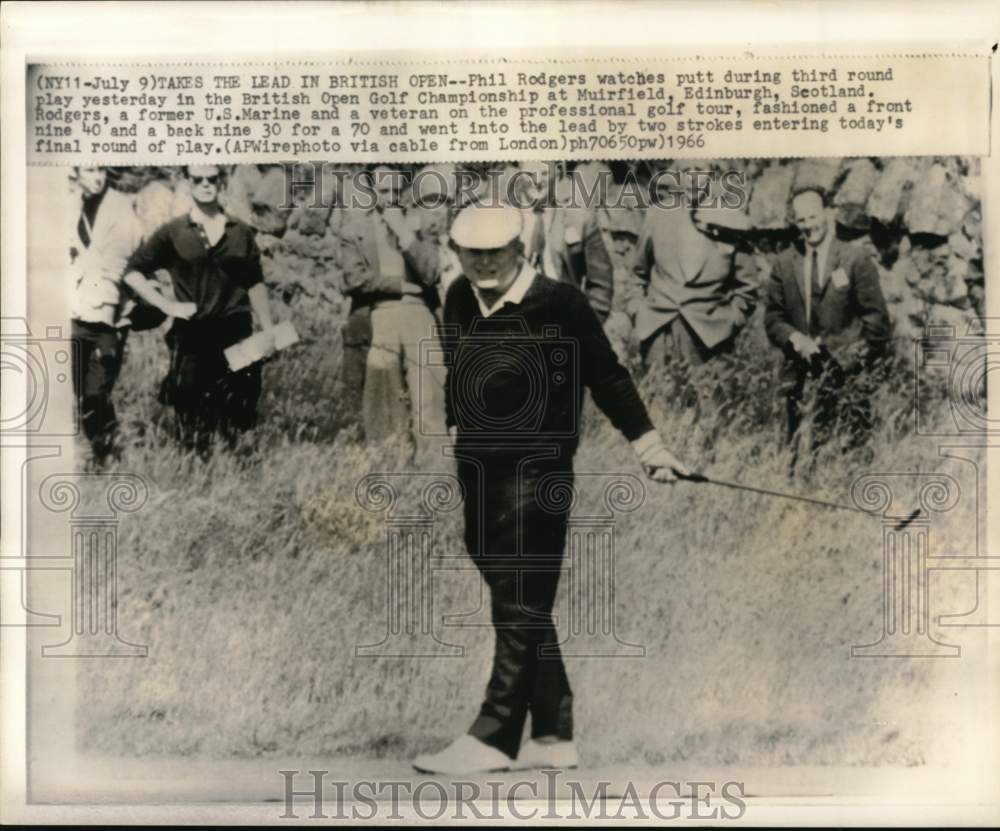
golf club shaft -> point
(901, 523)
(698, 477)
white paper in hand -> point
(285, 335)
(258, 346)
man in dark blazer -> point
(826, 312)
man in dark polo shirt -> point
(521, 349)
(214, 265)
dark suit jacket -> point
(849, 314)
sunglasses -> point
(212, 180)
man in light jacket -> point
(105, 234)
(696, 286)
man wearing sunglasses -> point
(214, 265)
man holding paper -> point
(214, 265)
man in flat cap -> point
(696, 286)
(521, 350)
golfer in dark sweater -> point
(520, 349)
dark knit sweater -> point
(515, 379)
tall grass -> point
(253, 577)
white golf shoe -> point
(535, 754)
(464, 755)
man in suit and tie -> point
(826, 312)
(564, 242)
(696, 287)
(104, 236)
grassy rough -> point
(252, 579)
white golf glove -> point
(659, 463)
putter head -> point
(909, 518)
(693, 476)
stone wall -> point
(920, 217)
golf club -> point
(701, 478)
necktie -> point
(88, 216)
(538, 240)
(813, 284)
(83, 229)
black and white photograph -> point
(572, 489)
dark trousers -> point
(209, 400)
(839, 401)
(699, 373)
(357, 340)
(97, 362)
(677, 340)
(518, 545)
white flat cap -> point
(486, 226)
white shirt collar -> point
(514, 294)
(199, 218)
